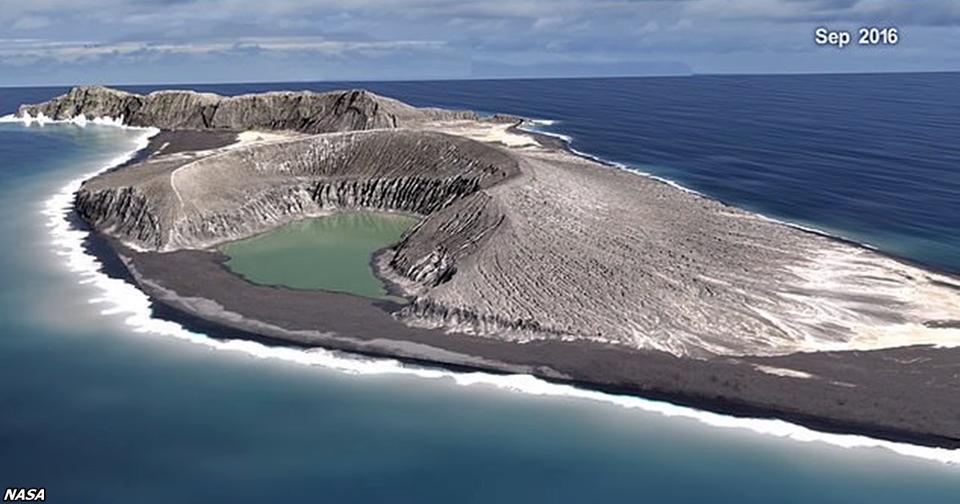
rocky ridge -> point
(302, 111)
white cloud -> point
(28, 50)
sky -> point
(63, 42)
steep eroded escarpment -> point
(302, 111)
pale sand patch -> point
(779, 371)
(871, 285)
(904, 335)
(487, 132)
(254, 137)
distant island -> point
(521, 257)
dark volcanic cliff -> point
(303, 111)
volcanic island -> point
(522, 257)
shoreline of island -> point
(724, 384)
(109, 252)
(429, 347)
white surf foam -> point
(119, 298)
(544, 122)
(80, 120)
(533, 126)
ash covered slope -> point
(585, 252)
(302, 111)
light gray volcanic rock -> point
(530, 242)
(303, 111)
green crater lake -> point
(330, 253)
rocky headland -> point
(527, 258)
(303, 111)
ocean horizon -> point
(379, 413)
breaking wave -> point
(80, 120)
(122, 299)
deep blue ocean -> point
(97, 407)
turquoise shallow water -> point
(98, 412)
